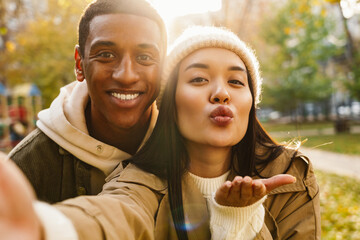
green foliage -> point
(340, 206)
(295, 73)
(44, 49)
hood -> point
(64, 122)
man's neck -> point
(127, 140)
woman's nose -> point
(220, 95)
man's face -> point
(121, 64)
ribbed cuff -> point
(208, 186)
(55, 224)
(235, 218)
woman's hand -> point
(242, 192)
(18, 219)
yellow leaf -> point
(333, 1)
(323, 12)
(299, 23)
(287, 30)
(10, 46)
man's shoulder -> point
(34, 143)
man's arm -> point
(18, 219)
(126, 211)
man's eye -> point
(198, 80)
(144, 57)
(106, 55)
(236, 82)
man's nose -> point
(220, 94)
(125, 71)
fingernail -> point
(294, 179)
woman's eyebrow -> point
(237, 68)
(197, 65)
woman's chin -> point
(222, 143)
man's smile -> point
(125, 96)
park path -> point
(342, 164)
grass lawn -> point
(340, 206)
(276, 127)
(341, 143)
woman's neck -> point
(208, 161)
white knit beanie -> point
(196, 37)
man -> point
(106, 115)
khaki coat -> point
(134, 205)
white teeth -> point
(126, 97)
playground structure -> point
(18, 113)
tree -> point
(42, 53)
(295, 71)
(9, 13)
(352, 54)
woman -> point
(207, 133)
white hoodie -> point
(64, 122)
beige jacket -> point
(134, 205)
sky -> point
(170, 9)
(350, 7)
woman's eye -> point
(236, 82)
(198, 80)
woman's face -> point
(213, 98)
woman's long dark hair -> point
(165, 155)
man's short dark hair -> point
(101, 7)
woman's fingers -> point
(222, 193)
(259, 189)
(278, 181)
(236, 185)
(246, 189)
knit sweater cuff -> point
(236, 222)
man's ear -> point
(78, 65)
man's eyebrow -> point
(237, 68)
(197, 65)
(101, 43)
(148, 46)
